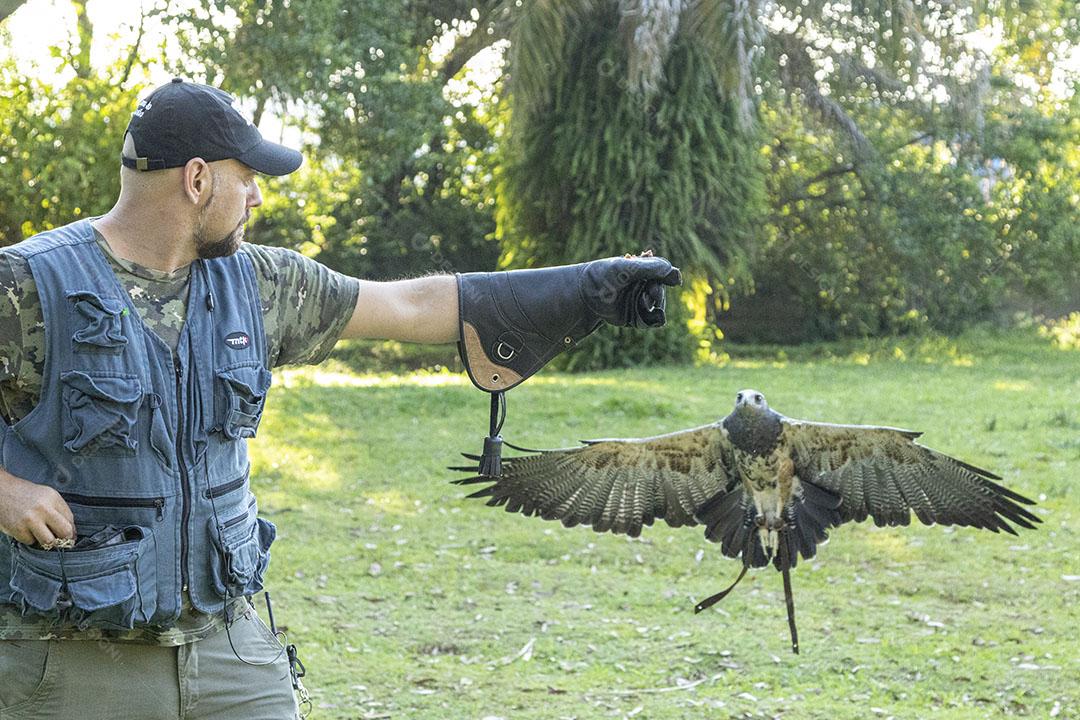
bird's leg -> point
(769, 528)
(789, 598)
(713, 599)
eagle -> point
(766, 487)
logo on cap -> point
(237, 340)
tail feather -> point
(791, 539)
(472, 480)
(728, 518)
(808, 516)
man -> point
(135, 358)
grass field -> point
(409, 601)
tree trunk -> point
(260, 107)
(81, 61)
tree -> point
(59, 139)
(927, 232)
(627, 133)
(403, 154)
(820, 156)
(872, 119)
(861, 168)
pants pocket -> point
(23, 666)
(110, 586)
(242, 554)
(100, 411)
(265, 632)
(240, 396)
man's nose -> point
(254, 198)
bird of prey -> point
(765, 486)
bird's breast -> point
(759, 472)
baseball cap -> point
(182, 120)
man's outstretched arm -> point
(513, 322)
(423, 310)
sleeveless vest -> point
(149, 453)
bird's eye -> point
(738, 397)
(758, 398)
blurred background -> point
(820, 169)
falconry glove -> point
(514, 322)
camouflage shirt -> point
(305, 308)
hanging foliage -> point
(593, 167)
(606, 156)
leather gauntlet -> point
(514, 322)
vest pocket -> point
(241, 394)
(98, 322)
(160, 440)
(242, 553)
(227, 487)
(99, 412)
(109, 585)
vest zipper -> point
(157, 503)
(239, 518)
(219, 490)
(185, 507)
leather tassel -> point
(491, 459)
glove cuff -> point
(512, 324)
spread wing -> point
(883, 473)
(616, 485)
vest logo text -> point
(237, 340)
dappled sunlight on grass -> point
(594, 381)
(888, 543)
(293, 377)
(1012, 386)
(392, 502)
(296, 465)
(756, 364)
(272, 502)
(931, 349)
(395, 583)
(1064, 332)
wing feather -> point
(884, 474)
(616, 486)
(915, 496)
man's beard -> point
(208, 249)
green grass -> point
(409, 601)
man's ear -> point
(197, 179)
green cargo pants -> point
(97, 680)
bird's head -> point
(750, 401)
(752, 426)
